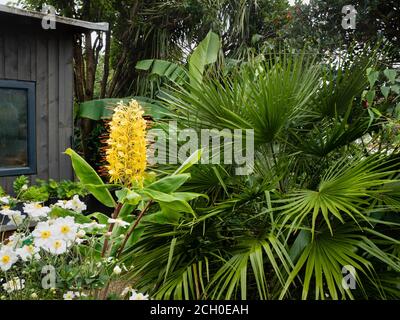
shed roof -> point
(77, 24)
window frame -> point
(30, 88)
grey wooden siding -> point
(46, 58)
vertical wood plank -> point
(66, 104)
(54, 152)
(42, 108)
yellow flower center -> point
(6, 207)
(45, 234)
(5, 259)
(38, 206)
(65, 229)
(57, 244)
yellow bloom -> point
(126, 150)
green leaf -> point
(128, 196)
(395, 89)
(170, 183)
(135, 237)
(90, 179)
(370, 96)
(170, 70)
(390, 74)
(372, 78)
(303, 239)
(189, 162)
(205, 53)
(163, 217)
(385, 91)
(103, 108)
(100, 217)
(126, 210)
(58, 212)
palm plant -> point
(319, 200)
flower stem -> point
(121, 248)
(110, 228)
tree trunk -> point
(106, 71)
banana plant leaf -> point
(103, 108)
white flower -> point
(126, 291)
(24, 187)
(70, 295)
(15, 240)
(81, 233)
(92, 226)
(62, 204)
(34, 295)
(7, 258)
(5, 200)
(75, 204)
(117, 270)
(79, 241)
(6, 211)
(36, 210)
(56, 246)
(16, 219)
(15, 284)
(80, 294)
(27, 252)
(138, 296)
(42, 234)
(65, 228)
(119, 222)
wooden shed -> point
(36, 94)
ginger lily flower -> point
(126, 152)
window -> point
(17, 128)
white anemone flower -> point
(62, 204)
(126, 291)
(15, 240)
(138, 296)
(15, 284)
(65, 228)
(42, 234)
(92, 226)
(7, 258)
(119, 223)
(36, 210)
(16, 219)
(5, 200)
(56, 246)
(28, 252)
(6, 211)
(75, 204)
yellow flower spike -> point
(126, 150)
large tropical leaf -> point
(205, 53)
(347, 188)
(103, 108)
(320, 265)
